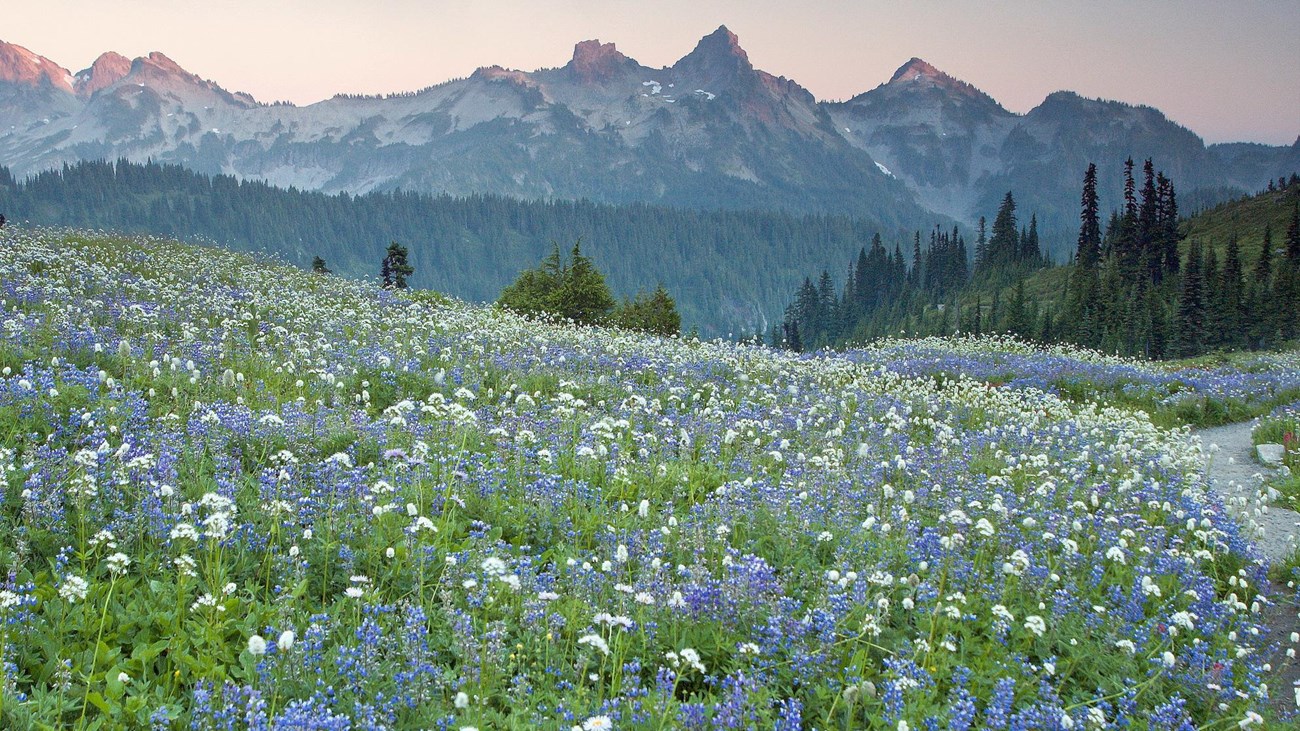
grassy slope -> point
(1247, 218)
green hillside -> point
(1247, 217)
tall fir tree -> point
(1260, 309)
(1293, 234)
(1002, 247)
(1230, 297)
(585, 298)
(1213, 297)
(1167, 225)
(1084, 284)
(1191, 306)
(395, 267)
(1018, 320)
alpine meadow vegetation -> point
(237, 495)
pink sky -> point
(1230, 71)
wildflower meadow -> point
(241, 496)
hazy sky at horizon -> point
(1229, 71)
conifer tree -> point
(1260, 309)
(861, 282)
(655, 314)
(915, 274)
(792, 340)
(1002, 245)
(395, 268)
(537, 291)
(1018, 321)
(1230, 287)
(1191, 306)
(1150, 250)
(1032, 253)
(584, 298)
(1293, 235)
(318, 266)
(826, 307)
(1082, 304)
(1167, 226)
(1264, 264)
(1125, 233)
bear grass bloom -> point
(73, 588)
(256, 645)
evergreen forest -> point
(728, 271)
(1148, 283)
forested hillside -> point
(1143, 280)
(728, 271)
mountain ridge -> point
(710, 131)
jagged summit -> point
(916, 69)
(917, 80)
(157, 61)
(917, 73)
(594, 61)
(718, 45)
(107, 70)
(710, 130)
(717, 60)
(25, 68)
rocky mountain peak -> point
(107, 70)
(919, 75)
(160, 62)
(718, 57)
(25, 68)
(594, 61)
(917, 69)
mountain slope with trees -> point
(711, 131)
(727, 270)
(1146, 282)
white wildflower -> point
(256, 645)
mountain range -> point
(711, 131)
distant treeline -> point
(887, 293)
(728, 270)
(1132, 286)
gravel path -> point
(1236, 476)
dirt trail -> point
(1234, 474)
(1238, 478)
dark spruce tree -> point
(1191, 306)
(584, 296)
(536, 291)
(395, 267)
(1082, 306)
(655, 314)
(1260, 308)
(1293, 235)
(318, 266)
